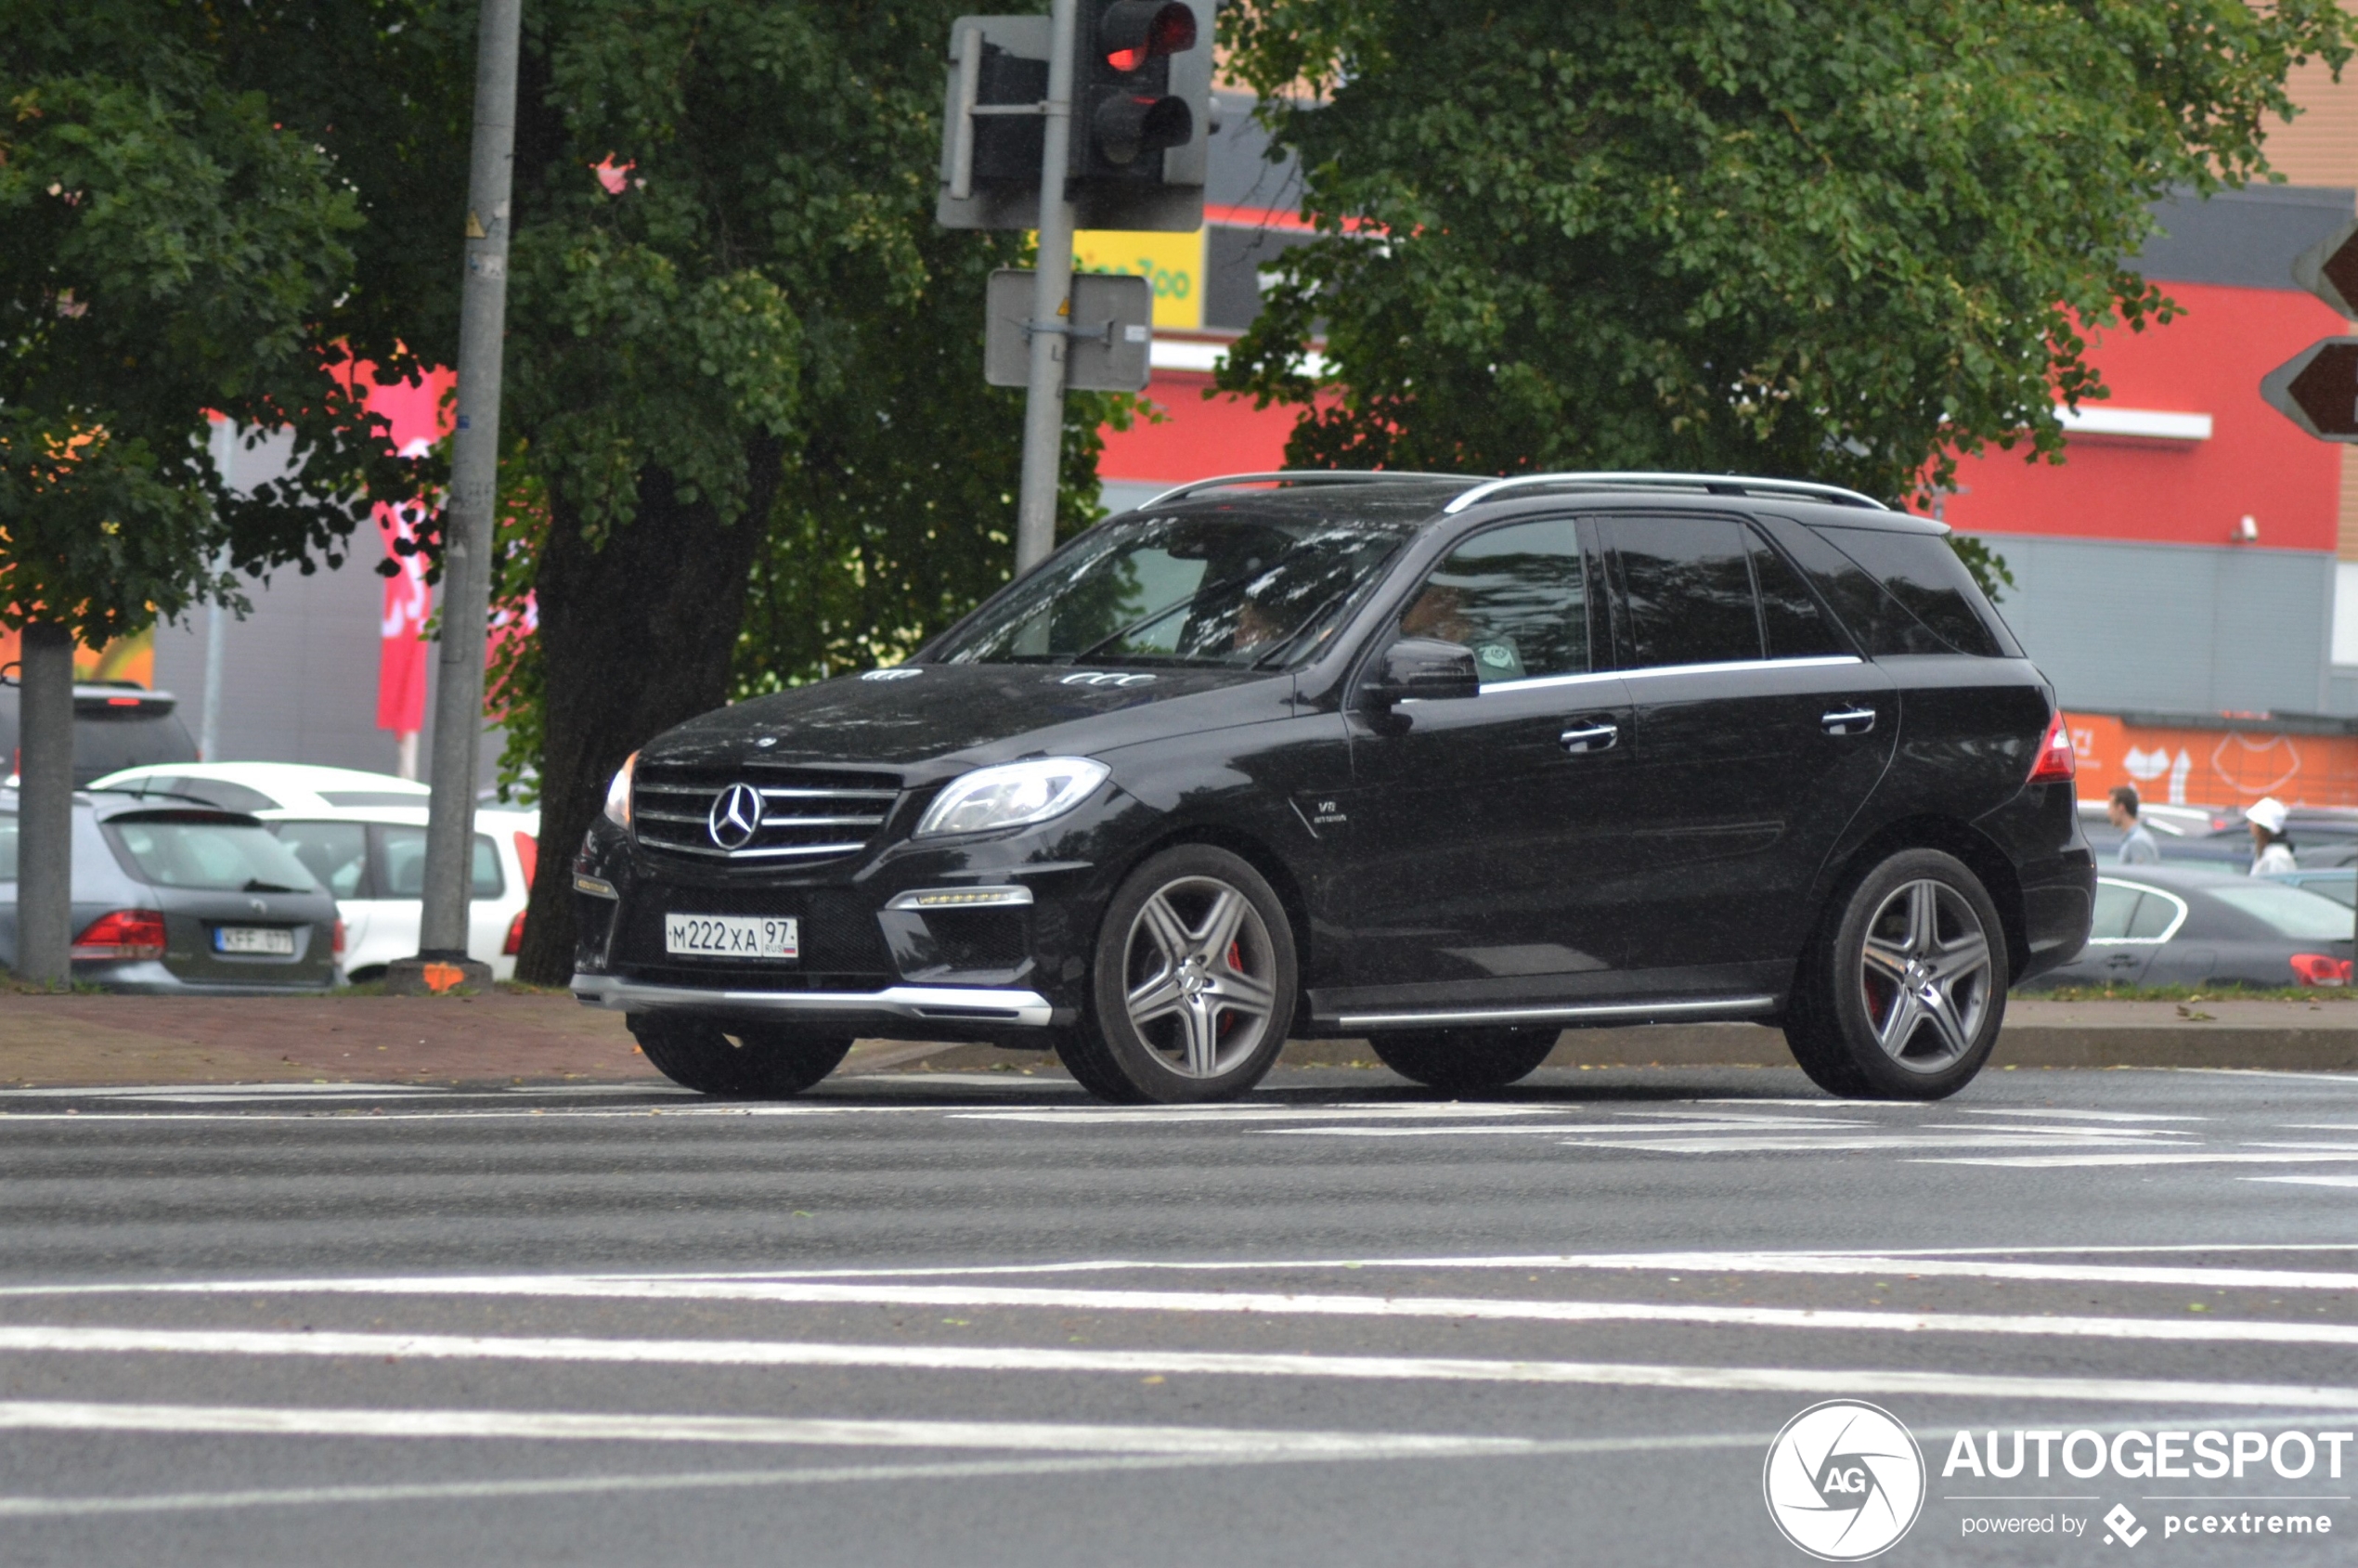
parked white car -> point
(363, 836)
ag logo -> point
(1845, 1480)
(735, 816)
(1105, 677)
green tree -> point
(1785, 237)
(169, 248)
(745, 373)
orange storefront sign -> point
(2192, 766)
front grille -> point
(809, 816)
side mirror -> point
(1425, 669)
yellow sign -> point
(1172, 263)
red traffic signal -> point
(1132, 32)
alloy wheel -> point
(1926, 975)
(1201, 977)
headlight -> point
(618, 792)
(1012, 795)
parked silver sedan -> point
(182, 898)
(2184, 926)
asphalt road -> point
(971, 1321)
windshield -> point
(207, 853)
(1236, 591)
(2291, 912)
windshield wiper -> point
(256, 885)
(1190, 597)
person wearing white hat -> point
(2271, 853)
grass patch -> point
(2189, 994)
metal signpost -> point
(2317, 388)
(1138, 73)
(442, 960)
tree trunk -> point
(44, 806)
(636, 636)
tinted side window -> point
(335, 853)
(1516, 596)
(1922, 573)
(2153, 917)
(1688, 584)
(1881, 623)
(401, 865)
(2116, 907)
(1797, 626)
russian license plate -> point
(732, 935)
(272, 941)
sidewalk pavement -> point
(509, 1037)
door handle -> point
(1848, 720)
(1594, 735)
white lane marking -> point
(2079, 1115)
(2155, 1156)
(1415, 1111)
(1990, 1263)
(1836, 1144)
(1816, 1260)
(328, 1117)
(963, 1470)
(2085, 1135)
(1259, 1304)
(45, 1415)
(959, 1080)
(1701, 1138)
(2305, 1181)
(2346, 1079)
(970, 1358)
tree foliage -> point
(1787, 237)
(169, 245)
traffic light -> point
(1141, 102)
(1123, 109)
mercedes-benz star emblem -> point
(737, 816)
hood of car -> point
(973, 714)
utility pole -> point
(44, 805)
(442, 961)
(217, 619)
(1044, 404)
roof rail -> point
(1716, 484)
(1295, 476)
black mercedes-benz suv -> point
(1451, 764)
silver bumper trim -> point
(933, 1003)
(1733, 1006)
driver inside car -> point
(1440, 611)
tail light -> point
(2317, 969)
(527, 855)
(2055, 763)
(338, 939)
(127, 933)
(514, 944)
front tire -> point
(735, 1061)
(1901, 997)
(1192, 986)
(1460, 1061)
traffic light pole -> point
(467, 538)
(1043, 407)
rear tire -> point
(1903, 990)
(736, 1061)
(1192, 986)
(1458, 1061)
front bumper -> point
(937, 1006)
